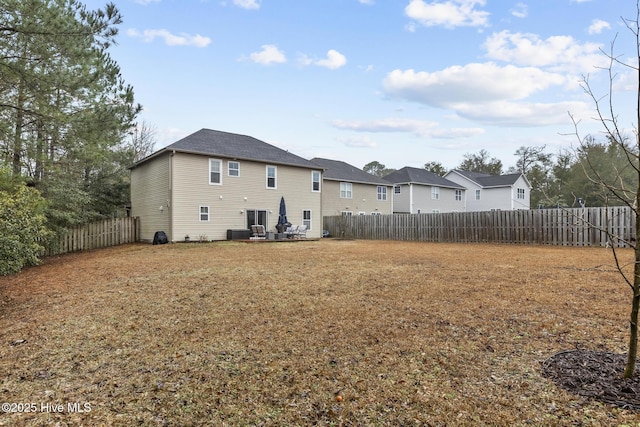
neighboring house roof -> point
(409, 175)
(230, 145)
(486, 181)
(336, 170)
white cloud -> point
(598, 26)
(146, 2)
(170, 39)
(520, 10)
(247, 4)
(367, 2)
(473, 83)
(270, 54)
(523, 114)
(357, 141)
(558, 53)
(449, 14)
(333, 61)
(421, 128)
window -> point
(234, 168)
(345, 190)
(396, 189)
(520, 193)
(215, 171)
(306, 218)
(382, 193)
(458, 195)
(346, 213)
(435, 193)
(376, 213)
(204, 213)
(435, 211)
(315, 181)
(272, 173)
(477, 194)
(362, 213)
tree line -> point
(68, 129)
(568, 178)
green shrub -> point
(22, 226)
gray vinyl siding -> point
(422, 201)
(364, 199)
(229, 202)
(149, 191)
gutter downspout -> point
(170, 199)
(410, 197)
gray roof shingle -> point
(420, 176)
(340, 171)
(230, 145)
(486, 180)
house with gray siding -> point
(348, 190)
(420, 191)
(212, 181)
(493, 192)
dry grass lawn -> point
(243, 334)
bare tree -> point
(613, 185)
(143, 139)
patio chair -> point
(259, 232)
(302, 232)
(291, 231)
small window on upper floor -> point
(315, 181)
(215, 171)
(521, 193)
(435, 193)
(233, 168)
(272, 174)
(396, 189)
(346, 190)
(382, 193)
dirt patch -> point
(251, 334)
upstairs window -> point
(215, 172)
(458, 195)
(477, 194)
(272, 173)
(233, 168)
(396, 189)
(382, 193)
(315, 181)
(435, 193)
(345, 190)
(521, 193)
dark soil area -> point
(596, 375)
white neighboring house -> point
(493, 192)
(420, 191)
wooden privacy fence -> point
(613, 226)
(101, 234)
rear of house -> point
(493, 192)
(348, 190)
(211, 182)
(420, 191)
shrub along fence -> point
(610, 226)
(100, 234)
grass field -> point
(332, 332)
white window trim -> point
(200, 213)
(310, 220)
(219, 171)
(346, 213)
(458, 195)
(478, 194)
(229, 168)
(435, 193)
(376, 213)
(348, 194)
(275, 177)
(382, 193)
(319, 181)
(520, 193)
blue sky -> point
(402, 82)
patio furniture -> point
(291, 231)
(259, 232)
(302, 232)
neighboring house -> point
(493, 192)
(420, 191)
(348, 190)
(212, 181)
